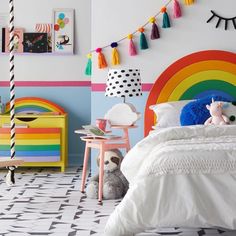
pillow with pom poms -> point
(196, 113)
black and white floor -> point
(47, 202)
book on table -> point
(94, 132)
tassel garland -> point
(132, 48)
(166, 20)
(88, 69)
(143, 40)
(101, 59)
(155, 31)
(177, 10)
(115, 54)
(189, 2)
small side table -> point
(104, 145)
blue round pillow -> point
(196, 113)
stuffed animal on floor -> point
(217, 117)
(115, 184)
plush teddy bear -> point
(115, 184)
(217, 117)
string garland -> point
(143, 43)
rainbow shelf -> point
(42, 140)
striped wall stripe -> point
(95, 87)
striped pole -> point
(12, 90)
(12, 80)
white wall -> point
(112, 20)
(41, 68)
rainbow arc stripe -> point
(35, 104)
(193, 76)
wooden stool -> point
(104, 144)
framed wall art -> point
(18, 39)
(35, 42)
(63, 33)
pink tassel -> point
(132, 49)
(177, 9)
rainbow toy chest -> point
(41, 133)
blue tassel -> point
(143, 40)
(166, 20)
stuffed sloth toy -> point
(115, 184)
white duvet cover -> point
(181, 176)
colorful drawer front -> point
(33, 144)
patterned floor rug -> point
(47, 202)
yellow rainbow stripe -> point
(30, 142)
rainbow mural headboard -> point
(35, 105)
(194, 76)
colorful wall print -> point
(63, 36)
(45, 28)
(18, 39)
(35, 42)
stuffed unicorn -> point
(217, 117)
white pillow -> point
(168, 113)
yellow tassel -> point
(189, 2)
(115, 57)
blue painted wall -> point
(77, 103)
(101, 104)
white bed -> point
(179, 176)
(182, 176)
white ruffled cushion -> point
(168, 113)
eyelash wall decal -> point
(220, 19)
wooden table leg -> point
(101, 172)
(86, 157)
(126, 136)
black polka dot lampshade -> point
(123, 83)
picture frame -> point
(35, 42)
(63, 30)
(18, 40)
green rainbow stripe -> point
(31, 147)
(209, 85)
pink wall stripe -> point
(101, 87)
(48, 83)
(96, 87)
